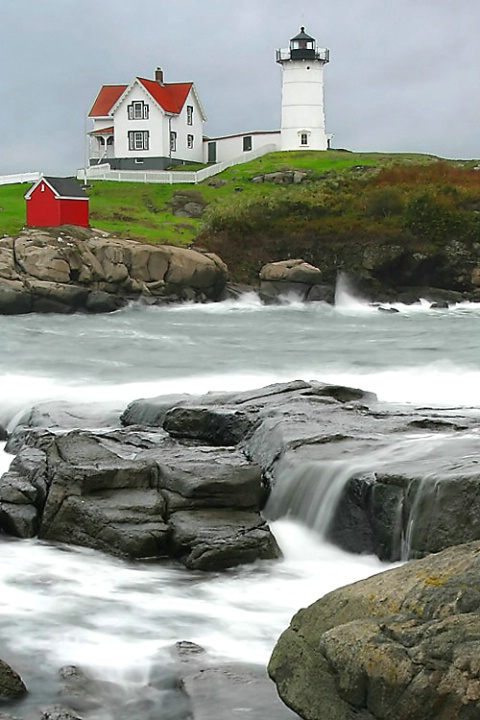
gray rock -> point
(130, 493)
(234, 690)
(214, 426)
(401, 645)
(99, 499)
(62, 271)
(12, 686)
(219, 539)
(59, 712)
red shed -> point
(57, 201)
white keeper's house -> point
(154, 125)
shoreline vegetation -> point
(333, 209)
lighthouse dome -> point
(302, 46)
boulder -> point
(401, 645)
(217, 691)
(62, 270)
(196, 270)
(218, 539)
(289, 276)
(137, 495)
(12, 686)
(15, 298)
(292, 271)
(398, 482)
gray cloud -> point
(402, 77)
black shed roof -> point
(66, 187)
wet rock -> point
(58, 712)
(321, 293)
(131, 494)
(226, 690)
(59, 414)
(12, 686)
(214, 426)
(98, 301)
(23, 490)
(198, 477)
(412, 507)
(3, 434)
(101, 500)
(15, 299)
(402, 645)
(390, 310)
(219, 539)
(141, 491)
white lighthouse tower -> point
(303, 114)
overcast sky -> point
(403, 75)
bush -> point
(384, 202)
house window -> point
(189, 114)
(173, 141)
(304, 139)
(110, 140)
(247, 143)
(138, 110)
(138, 140)
(190, 142)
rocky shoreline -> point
(71, 269)
(198, 479)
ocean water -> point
(73, 606)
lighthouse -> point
(303, 112)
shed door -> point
(212, 152)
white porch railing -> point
(20, 178)
(104, 172)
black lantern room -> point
(302, 46)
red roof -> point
(103, 131)
(171, 96)
(106, 99)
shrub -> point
(384, 202)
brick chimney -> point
(159, 75)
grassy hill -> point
(344, 198)
(144, 211)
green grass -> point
(12, 208)
(140, 212)
(143, 211)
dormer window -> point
(138, 110)
(189, 114)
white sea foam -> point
(437, 384)
(5, 459)
(113, 616)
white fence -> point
(20, 178)
(103, 172)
